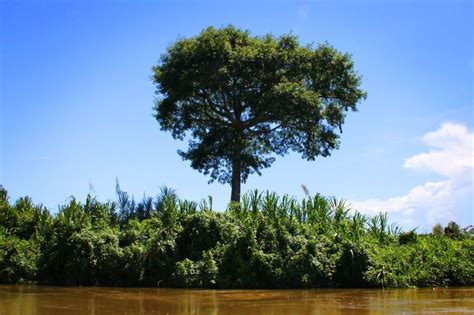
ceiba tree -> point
(242, 100)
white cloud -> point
(451, 156)
(454, 155)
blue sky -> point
(76, 102)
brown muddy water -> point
(85, 300)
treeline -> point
(266, 241)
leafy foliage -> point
(266, 241)
(453, 230)
(243, 100)
(437, 229)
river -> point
(92, 300)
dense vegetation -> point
(266, 241)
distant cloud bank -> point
(451, 156)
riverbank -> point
(265, 242)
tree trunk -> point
(235, 182)
(236, 159)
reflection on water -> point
(60, 300)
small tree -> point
(243, 99)
(452, 230)
(437, 230)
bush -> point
(407, 237)
(264, 242)
(18, 259)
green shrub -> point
(263, 242)
(407, 237)
(18, 259)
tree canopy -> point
(241, 100)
